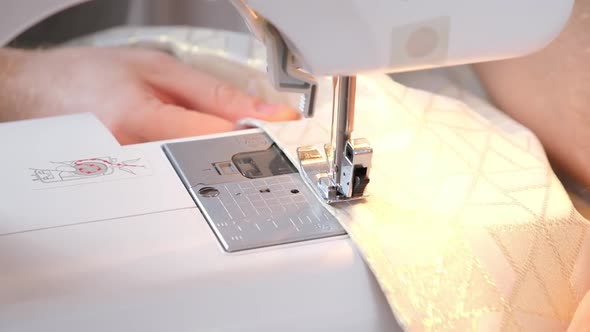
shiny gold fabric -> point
(467, 228)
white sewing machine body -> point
(120, 251)
(347, 37)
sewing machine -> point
(225, 233)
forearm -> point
(549, 92)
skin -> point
(549, 92)
(140, 95)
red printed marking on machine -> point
(86, 168)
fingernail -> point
(276, 112)
(268, 108)
(245, 123)
(241, 126)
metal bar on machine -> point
(346, 89)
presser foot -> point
(354, 171)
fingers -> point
(163, 121)
(204, 93)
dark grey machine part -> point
(249, 192)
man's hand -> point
(140, 95)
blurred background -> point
(98, 15)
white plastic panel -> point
(166, 272)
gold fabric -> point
(466, 228)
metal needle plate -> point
(249, 192)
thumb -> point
(225, 100)
(205, 93)
(162, 121)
